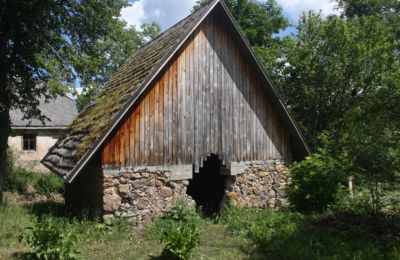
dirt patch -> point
(14, 198)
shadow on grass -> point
(335, 237)
(24, 256)
(59, 210)
(49, 208)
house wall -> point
(208, 101)
(45, 139)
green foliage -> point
(51, 239)
(18, 178)
(314, 182)
(287, 235)
(179, 229)
(332, 65)
(260, 225)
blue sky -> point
(168, 12)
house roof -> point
(89, 131)
(59, 112)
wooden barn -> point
(192, 113)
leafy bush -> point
(18, 178)
(48, 183)
(179, 229)
(314, 182)
(51, 239)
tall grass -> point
(287, 235)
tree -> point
(260, 22)
(341, 78)
(47, 45)
(332, 64)
(357, 8)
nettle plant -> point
(180, 230)
(51, 239)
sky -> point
(169, 12)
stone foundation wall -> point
(261, 185)
(140, 196)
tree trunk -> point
(5, 128)
(4, 133)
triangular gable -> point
(201, 15)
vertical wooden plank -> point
(117, 148)
(179, 112)
(189, 104)
(214, 105)
(208, 97)
(219, 49)
(126, 141)
(174, 123)
(142, 132)
(170, 113)
(161, 123)
(155, 132)
(195, 77)
(105, 155)
(147, 129)
(166, 117)
(112, 151)
(137, 135)
(230, 107)
(201, 83)
(132, 139)
(150, 132)
(182, 129)
(224, 61)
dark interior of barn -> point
(207, 187)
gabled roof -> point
(59, 113)
(92, 127)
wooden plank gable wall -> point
(207, 101)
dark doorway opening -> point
(207, 187)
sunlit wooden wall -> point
(208, 101)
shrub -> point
(179, 229)
(314, 182)
(48, 183)
(18, 178)
(51, 239)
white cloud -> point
(169, 12)
(133, 14)
(166, 13)
(293, 9)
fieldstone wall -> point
(140, 196)
(261, 185)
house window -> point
(29, 142)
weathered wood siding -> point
(208, 101)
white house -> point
(31, 139)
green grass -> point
(236, 234)
(286, 235)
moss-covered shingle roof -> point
(95, 119)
